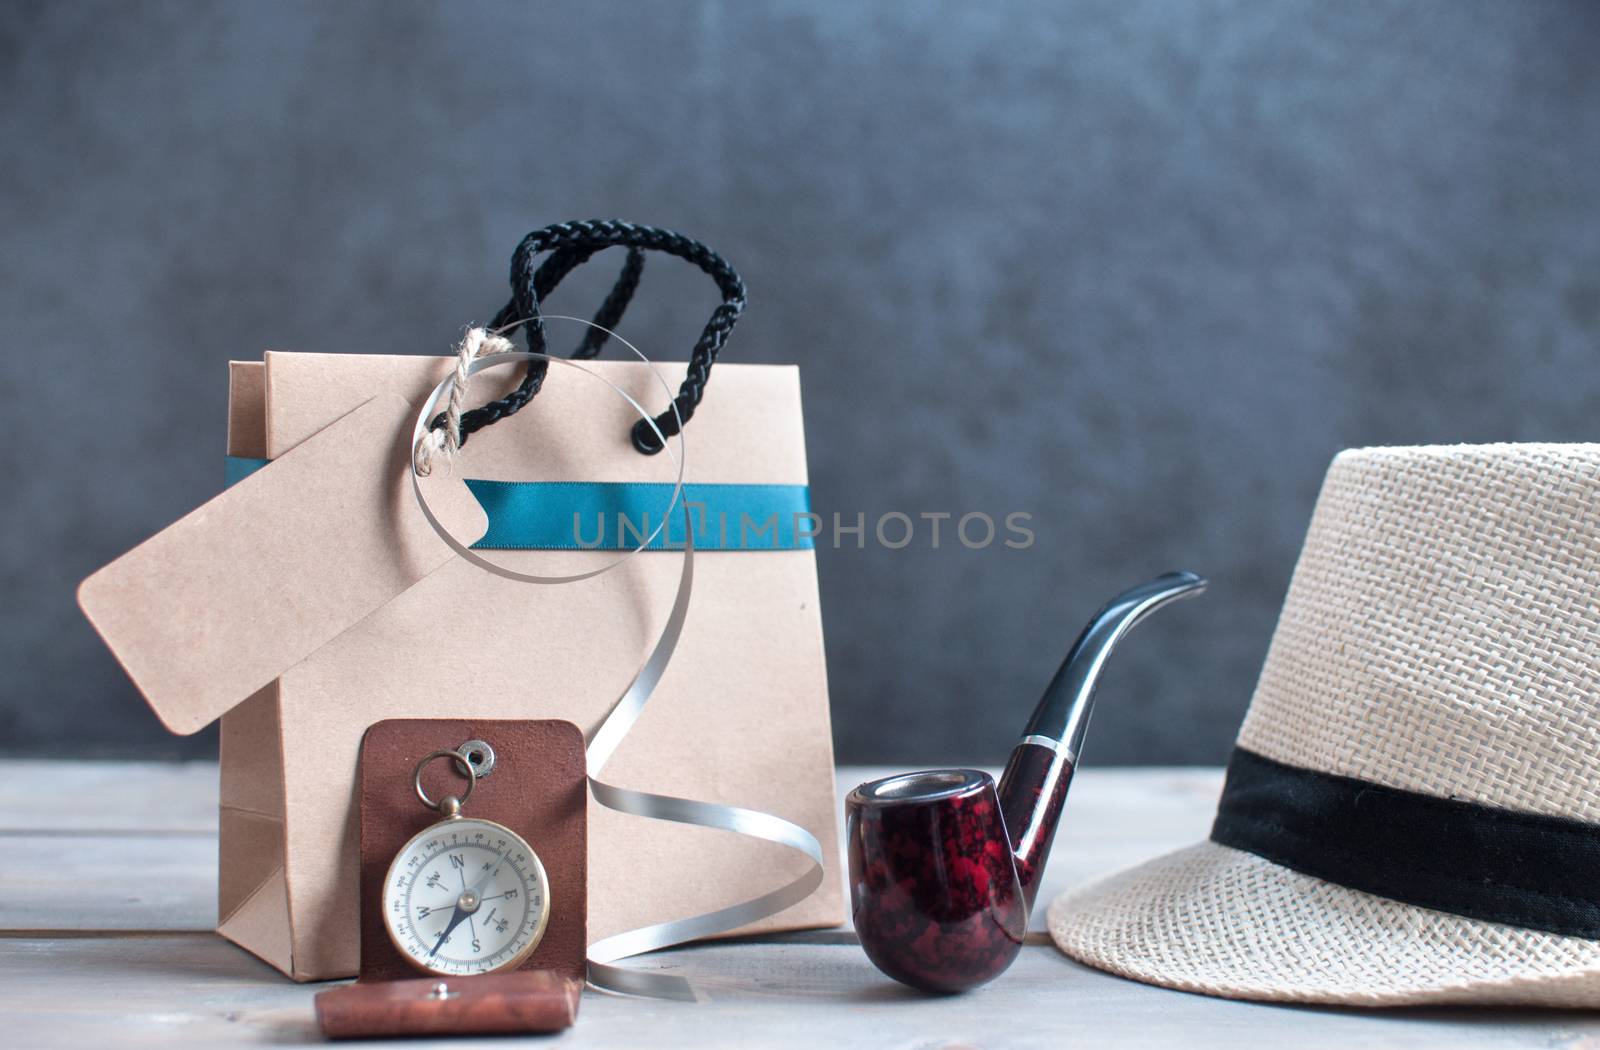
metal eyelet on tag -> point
(479, 755)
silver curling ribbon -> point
(603, 955)
(754, 823)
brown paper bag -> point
(740, 717)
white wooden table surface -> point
(107, 899)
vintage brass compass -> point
(464, 896)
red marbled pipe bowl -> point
(933, 887)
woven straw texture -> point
(1441, 635)
(1224, 922)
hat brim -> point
(1224, 922)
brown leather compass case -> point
(537, 789)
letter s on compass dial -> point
(466, 896)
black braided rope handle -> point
(570, 245)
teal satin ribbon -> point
(618, 516)
(236, 468)
(609, 516)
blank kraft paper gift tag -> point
(223, 601)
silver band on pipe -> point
(619, 720)
(1058, 746)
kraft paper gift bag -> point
(740, 717)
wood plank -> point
(151, 797)
(196, 990)
(108, 882)
(181, 797)
(140, 854)
(125, 854)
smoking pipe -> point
(944, 866)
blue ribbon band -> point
(615, 516)
(618, 516)
(236, 468)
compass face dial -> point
(465, 897)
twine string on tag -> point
(620, 718)
(446, 440)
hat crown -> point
(1441, 633)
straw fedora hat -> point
(1412, 811)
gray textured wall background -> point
(1138, 268)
